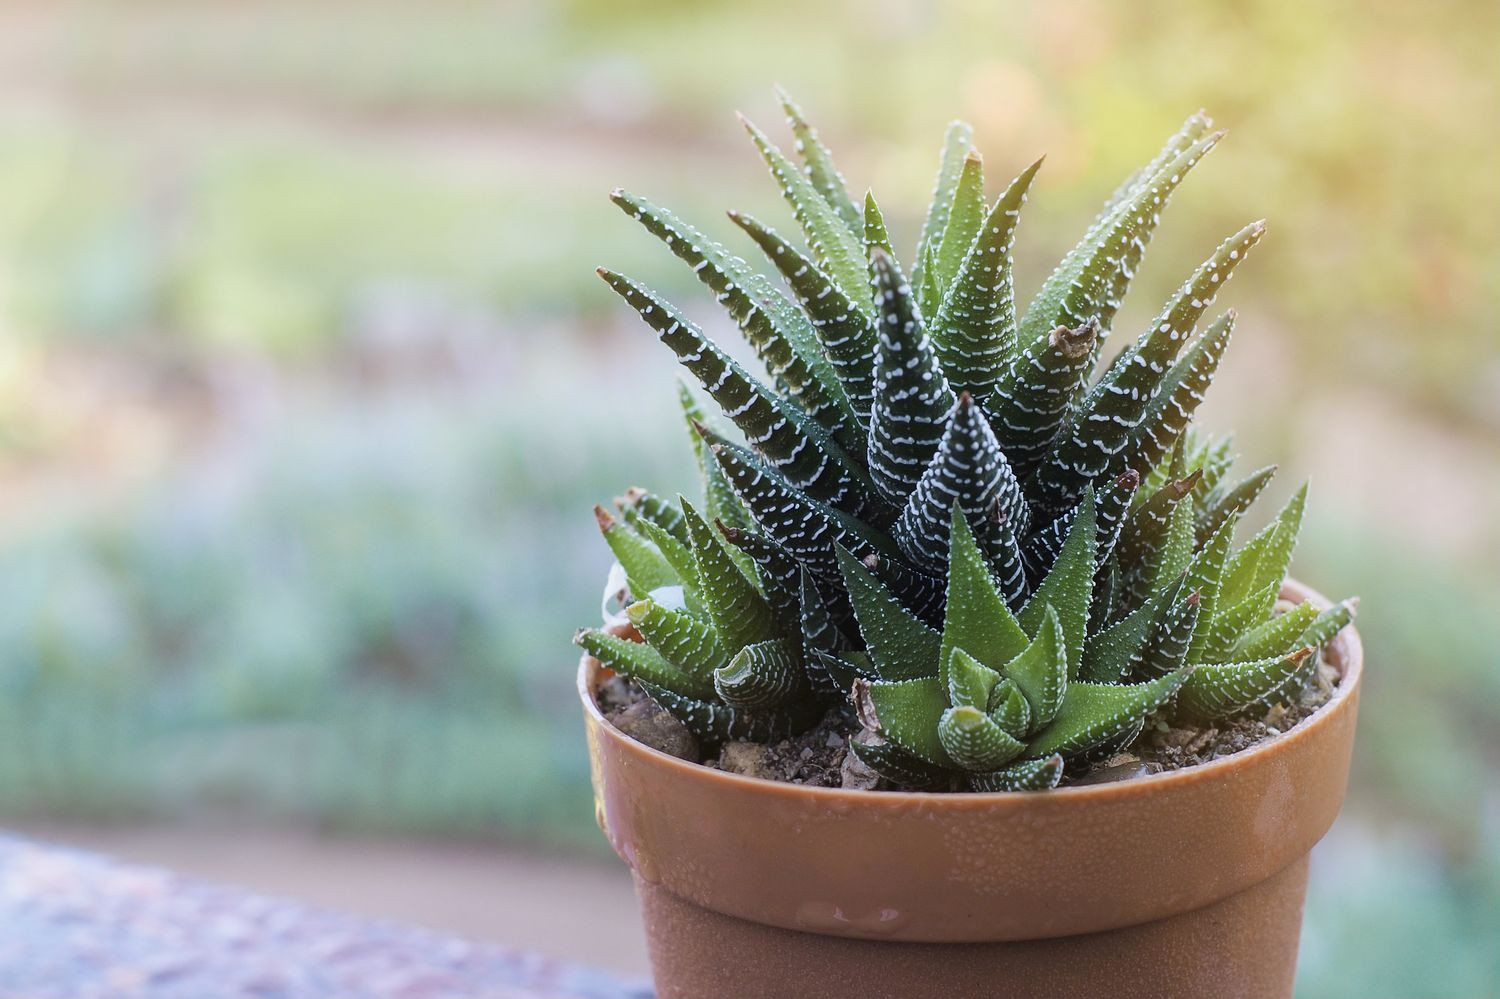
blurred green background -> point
(306, 385)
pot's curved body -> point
(1188, 883)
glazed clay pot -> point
(1185, 884)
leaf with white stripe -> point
(1095, 444)
(837, 250)
(912, 398)
(974, 331)
(798, 448)
(818, 163)
(846, 332)
(970, 471)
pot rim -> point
(1348, 653)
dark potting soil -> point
(821, 757)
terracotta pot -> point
(1188, 883)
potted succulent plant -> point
(955, 682)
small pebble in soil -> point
(640, 718)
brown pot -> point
(1188, 883)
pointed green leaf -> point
(713, 721)
(1181, 391)
(970, 682)
(1032, 398)
(719, 500)
(1093, 714)
(761, 676)
(1043, 546)
(1120, 649)
(965, 216)
(776, 569)
(978, 620)
(1195, 128)
(687, 642)
(1149, 532)
(798, 448)
(1171, 560)
(818, 163)
(1168, 648)
(974, 742)
(957, 144)
(1041, 671)
(1219, 691)
(1095, 444)
(1329, 623)
(1204, 576)
(1010, 709)
(908, 713)
(876, 235)
(803, 526)
(1214, 459)
(819, 635)
(740, 615)
(1091, 281)
(1226, 506)
(782, 336)
(1069, 586)
(974, 331)
(641, 663)
(845, 330)
(912, 398)
(925, 283)
(677, 555)
(968, 471)
(644, 565)
(638, 505)
(900, 644)
(834, 246)
(1028, 775)
(1232, 620)
(1265, 559)
(1276, 637)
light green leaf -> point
(1216, 692)
(908, 713)
(740, 615)
(977, 621)
(761, 676)
(641, 662)
(957, 144)
(973, 740)
(838, 251)
(645, 566)
(965, 216)
(1094, 714)
(1028, 775)
(821, 173)
(970, 682)
(1041, 672)
(687, 642)
(1068, 588)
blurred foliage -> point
(1358, 132)
(355, 612)
(306, 383)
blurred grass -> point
(306, 385)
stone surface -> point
(77, 926)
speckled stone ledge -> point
(77, 926)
